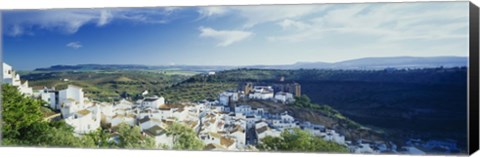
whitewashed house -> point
(333, 136)
(284, 97)
(227, 143)
(72, 93)
(147, 123)
(127, 119)
(265, 131)
(106, 111)
(160, 136)
(239, 133)
(262, 93)
(244, 110)
(162, 113)
(284, 121)
(153, 102)
(84, 121)
(225, 98)
(51, 97)
(12, 78)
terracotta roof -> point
(227, 142)
(212, 146)
(83, 112)
(190, 123)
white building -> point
(333, 136)
(147, 123)
(127, 119)
(244, 110)
(284, 97)
(262, 93)
(12, 78)
(106, 111)
(239, 133)
(227, 143)
(160, 136)
(72, 93)
(51, 97)
(153, 102)
(284, 121)
(227, 97)
(265, 131)
(84, 121)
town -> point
(228, 123)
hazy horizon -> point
(133, 64)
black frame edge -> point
(473, 106)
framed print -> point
(354, 78)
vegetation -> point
(195, 91)
(184, 138)
(304, 102)
(402, 103)
(131, 137)
(299, 141)
(106, 85)
(23, 125)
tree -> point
(184, 138)
(101, 138)
(131, 137)
(22, 118)
(61, 135)
(299, 140)
(23, 124)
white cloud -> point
(254, 15)
(206, 12)
(74, 45)
(287, 24)
(69, 21)
(105, 18)
(385, 22)
(224, 37)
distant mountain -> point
(401, 62)
(371, 63)
(375, 63)
(86, 67)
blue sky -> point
(233, 35)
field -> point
(108, 85)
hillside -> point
(106, 85)
(401, 104)
(404, 104)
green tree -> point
(184, 138)
(61, 135)
(22, 118)
(23, 124)
(101, 138)
(299, 140)
(131, 137)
